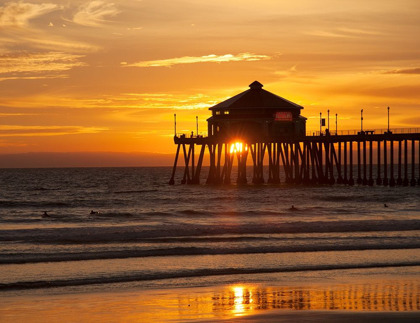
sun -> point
(238, 147)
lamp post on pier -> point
(320, 123)
(328, 120)
(336, 124)
(388, 119)
(196, 122)
(175, 123)
(361, 120)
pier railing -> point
(364, 132)
(190, 135)
(324, 133)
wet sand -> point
(331, 317)
(383, 299)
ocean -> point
(147, 234)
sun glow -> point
(238, 147)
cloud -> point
(29, 131)
(200, 59)
(288, 72)
(19, 13)
(323, 33)
(359, 31)
(404, 71)
(16, 32)
(37, 65)
(343, 33)
(48, 42)
(160, 101)
(93, 13)
(16, 114)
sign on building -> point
(283, 116)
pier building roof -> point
(256, 97)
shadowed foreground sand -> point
(328, 316)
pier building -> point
(256, 114)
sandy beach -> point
(364, 296)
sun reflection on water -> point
(239, 308)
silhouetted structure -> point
(257, 123)
(255, 114)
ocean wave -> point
(41, 188)
(113, 215)
(209, 213)
(91, 234)
(194, 251)
(135, 191)
(357, 198)
(147, 276)
(34, 204)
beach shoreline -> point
(345, 296)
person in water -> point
(293, 208)
(45, 214)
(94, 212)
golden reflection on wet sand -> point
(392, 296)
(213, 303)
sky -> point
(108, 76)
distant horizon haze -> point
(85, 159)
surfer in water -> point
(293, 208)
(45, 215)
(94, 212)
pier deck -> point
(323, 159)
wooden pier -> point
(330, 159)
(265, 131)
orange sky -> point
(103, 76)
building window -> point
(217, 112)
(226, 112)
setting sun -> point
(237, 147)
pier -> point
(259, 129)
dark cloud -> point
(404, 71)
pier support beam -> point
(413, 163)
(399, 178)
(391, 176)
(370, 181)
(385, 164)
(359, 169)
(378, 163)
(365, 181)
(172, 180)
(405, 181)
(345, 180)
(351, 180)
